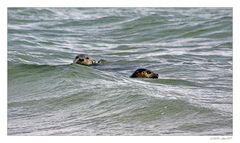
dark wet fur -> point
(138, 71)
(135, 73)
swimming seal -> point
(144, 73)
(84, 59)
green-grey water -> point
(190, 49)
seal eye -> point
(77, 57)
(148, 72)
(87, 58)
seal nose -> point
(156, 75)
(81, 60)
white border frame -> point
(235, 4)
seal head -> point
(83, 59)
(144, 73)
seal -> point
(84, 59)
(144, 73)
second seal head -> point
(144, 73)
